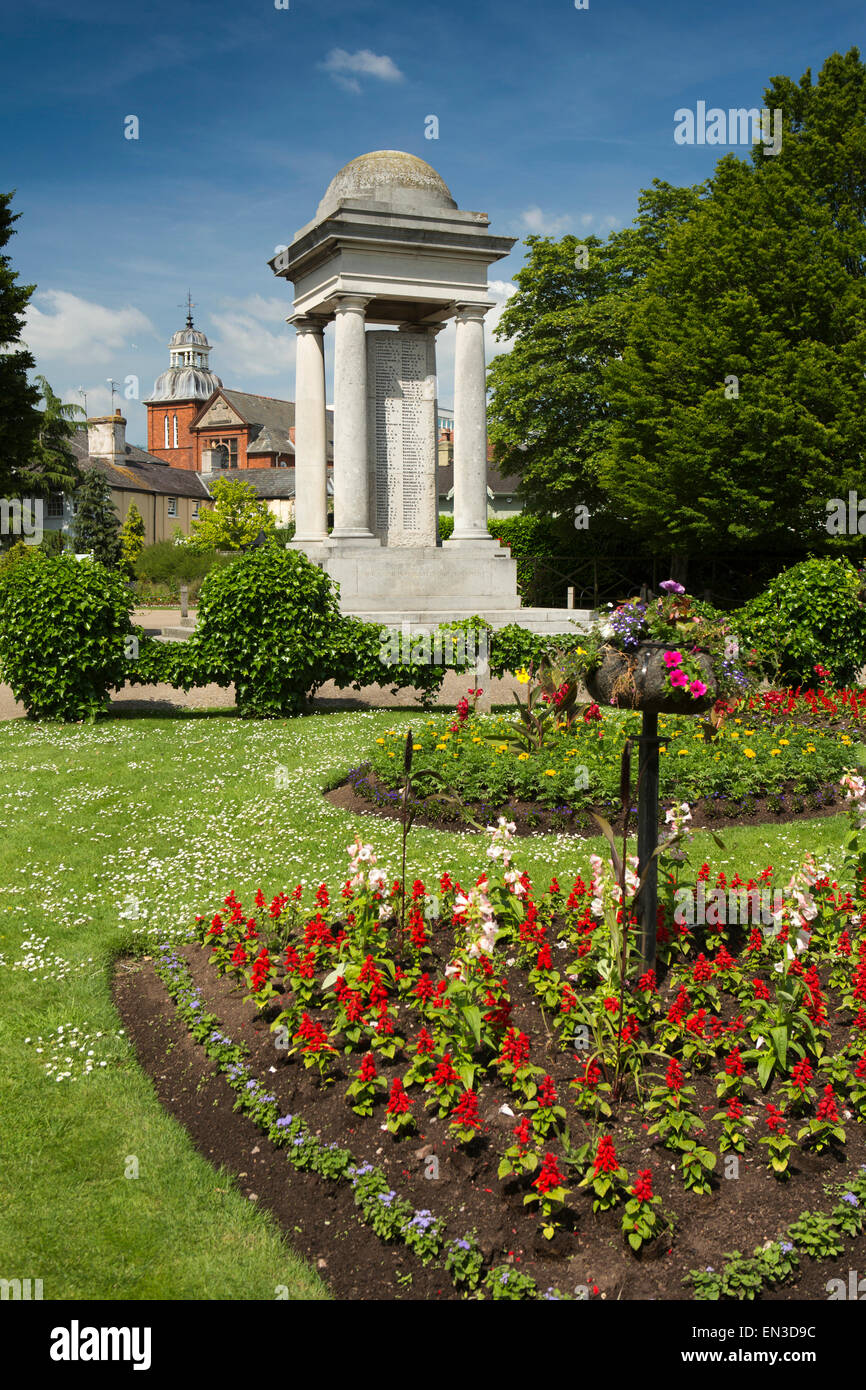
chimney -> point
(106, 437)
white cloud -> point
(77, 332)
(257, 307)
(345, 68)
(243, 345)
(99, 400)
(536, 221)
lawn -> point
(114, 836)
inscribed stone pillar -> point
(351, 482)
(401, 395)
(470, 427)
(311, 447)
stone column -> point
(351, 475)
(470, 427)
(311, 440)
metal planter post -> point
(648, 834)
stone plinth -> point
(442, 583)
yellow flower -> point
(785, 741)
(390, 755)
(476, 739)
(749, 753)
(381, 742)
(845, 738)
(502, 747)
(440, 748)
(416, 748)
(682, 752)
(735, 733)
(810, 748)
(747, 733)
(550, 772)
(521, 757)
(774, 752)
(738, 721)
(522, 675)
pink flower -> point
(673, 659)
(679, 678)
(671, 586)
(698, 689)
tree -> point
(52, 466)
(235, 519)
(550, 417)
(19, 419)
(740, 398)
(132, 538)
(96, 528)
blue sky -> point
(551, 119)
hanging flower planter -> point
(652, 678)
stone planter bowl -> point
(639, 681)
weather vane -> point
(189, 306)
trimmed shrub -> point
(269, 622)
(810, 614)
(63, 630)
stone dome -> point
(185, 384)
(188, 376)
(401, 180)
(188, 335)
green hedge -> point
(810, 614)
(64, 630)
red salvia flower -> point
(522, 1132)
(544, 961)
(550, 1176)
(547, 1096)
(827, 1106)
(674, 1077)
(643, 1188)
(605, 1158)
(465, 1112)
(367, 1069)
(445, 1075)
(398, 1101)
(734, 1063)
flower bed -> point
(499, 1055)
(578, 767)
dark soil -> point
(363, 791)
(318, 1217)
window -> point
(195, 510)
(174, 434)
(166, 431)
(172, 506)
(55, 504)
(228, 451)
